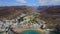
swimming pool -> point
(30, 32)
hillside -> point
(52, 16)
(14, 11)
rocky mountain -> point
(42, 8)
(10, 12)
(52, 16)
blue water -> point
(30, 32)
(55, 32)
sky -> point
(29, 2)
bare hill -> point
(14, 11)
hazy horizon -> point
(29, 2)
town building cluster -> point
(22, 21)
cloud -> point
(49, 2)
(22, 1)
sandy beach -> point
(22, 29)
